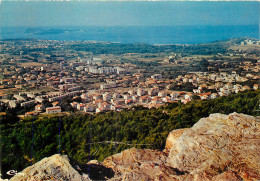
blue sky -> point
(128, 13)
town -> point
(44, 77)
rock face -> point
(220, 147)
(61, 167)
(217, 144)
(137, 164)
(57, 167)
(172, 137)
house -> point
(255, 86)
(181, 93)
(31, 113)
(131, 92)
(74, 105)
(97, 96)
(135, 98)
(80, 106)
(12, 104)
(221, 93)
(39, 99)
(219, 85)
(107, 86)
(246, 87)
(118, 101)
(185, 101)
(129, 101)
(237, 90)
(185, 80)
(64, 87)
(188, 96)
(162, 94)
(213, 96)
(224, 90)
(167, 99)
(196, 91)
(18, 86)
(205, 95)
(140, 92)
(153, 91)
(237, 87)
(127, 97)
(30, 95)
(116, 107)
(98, 110)
(107, 96)
(104, 105)
(144, 99)
(98, 101)
(89, 108)
(116, 95)
(229, 86)
(85, 97)
(156, 100)
(211, 87)
(27, 103)
(174, 94)
(50, 110)
(19, 98)
(3, 96)
(55, 104)
(39, 107)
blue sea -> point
(134, 34)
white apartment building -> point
(50, 110)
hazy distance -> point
(87, 13)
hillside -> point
(86, 137)
(219, 147)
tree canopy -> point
(85, 137)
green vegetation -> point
(121, 48)
(183, 87)
(140, 127)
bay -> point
(133, 34)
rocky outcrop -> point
(61, 167)
(220, 147)
(217, 144)
(57, 167)
(172, 137)
(137, 164)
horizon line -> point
(39, 26)
(128, 1)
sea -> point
(133, 34)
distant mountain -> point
(48, 31)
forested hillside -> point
(84, 136)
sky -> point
(36, 13)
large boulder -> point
(218, 144)
(57, 167)
(138, 164)
(61, 167)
